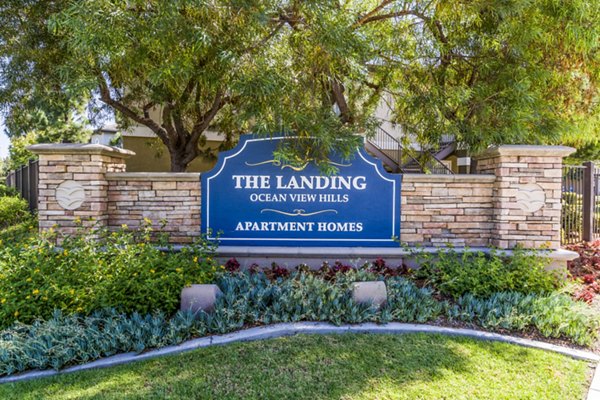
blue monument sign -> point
(251, 199)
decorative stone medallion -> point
(70, 195)
(530, 197)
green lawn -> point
(331, 367)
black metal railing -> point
(400, 159)
(580, 201)
(434, 165)
(388, 144)
(26, 181)
(424, 162)
(572, 204)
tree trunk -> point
(178, 163)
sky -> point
(3, 140)
(3, 143)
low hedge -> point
(97, 269)
(7, 191)
(13, 210)
(56, 291)
(92, 270)
(474, 272)
(255, 298)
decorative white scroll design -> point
(530, 197)
(278, 163)
(297, 212)
(70, 195)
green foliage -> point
(210, 65)
(12, 211)
(6, 191)
(408, 303)
(34, 97)
(585, 152)
(92, 270)
(18, 233)
(479, 274)
(37, 106)
(247, 299)
(67, 339)
(485, 73)
(552, 315)
(251, 298)
(498, 73)
(16, 222)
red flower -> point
(585, 295)
(589, 278)
(232, 265)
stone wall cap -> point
(80, 148)
(526, 150)
(366, 252)
(449, 178)
(154, 176)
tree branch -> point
(264, 40)
(373, 12)
(167, 124)
(435, 25)
(337, 89)
(147, 108)
(187, 92)
(380, 17)
(128, 112)
(203, 123)
(441, 36)
(178, 122)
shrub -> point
(7, 191)
(94, 270)
(73, 339)
(455, 274)
(408, 303)
(18, 233)
(12, 211)
(248, 299)
(553, 315)
(253, 298)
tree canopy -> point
(487, 72)
(37, 104)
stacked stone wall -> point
(514, 200)
(441, 209)
(527, 193)
(67, 179)
(169, 201)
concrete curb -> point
(594, 391)
(321, 328)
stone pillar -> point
(527, 192)
(73, 184)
